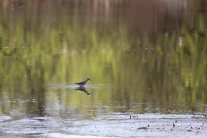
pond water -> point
(145, 58)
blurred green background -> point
(142, 57)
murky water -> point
(145, 58)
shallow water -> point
(110, 125)
(146, 60)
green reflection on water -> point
(132, 70)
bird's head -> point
(89, 79)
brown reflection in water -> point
(36, 92)
(149, 19)
(142, 18)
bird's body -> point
(81, 84)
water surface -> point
(142, 57)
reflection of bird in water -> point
(82, 89)
(81, 84)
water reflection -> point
(149, 56)
(83, 89)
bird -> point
(81, 84)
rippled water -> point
(145, 59)
(111, 125)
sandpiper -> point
(81, 84)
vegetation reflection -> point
(154, 70)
